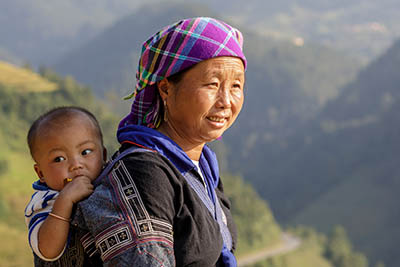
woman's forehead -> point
(218, 66)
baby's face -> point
(68, 151)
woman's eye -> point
(86, 151)
(237, 85)
(59, 159)
(212, 84)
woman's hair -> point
(177, 77)
(47, 120)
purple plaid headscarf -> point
(171, 50)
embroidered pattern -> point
(138, 226)
(114, 239)
(88, 244)
(129, 196)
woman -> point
(162, 204)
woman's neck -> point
(190, 148)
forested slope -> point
(342, 167)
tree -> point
(339, 250)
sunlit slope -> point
(22, 99)
(23, 79)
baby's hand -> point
(77, 189)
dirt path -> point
(289, 243)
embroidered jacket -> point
(145, 212)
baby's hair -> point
(56, 115)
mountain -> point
(109, 61)
(41, 32)
(362, 28)
(287, 83)
(342, 166)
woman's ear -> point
(163, 88)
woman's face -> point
(206, 101)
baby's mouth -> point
(67, 180)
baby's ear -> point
(38, 172)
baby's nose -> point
(75, 164)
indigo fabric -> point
(156, 141)
(144, 212)
(173, 49)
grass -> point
(308, 254)
(14, 248)
(15, 192)
(23, 79)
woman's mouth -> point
(217, 122)
(216, 119)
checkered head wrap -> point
(171, 50)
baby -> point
(66, 144)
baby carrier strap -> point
(111, 163)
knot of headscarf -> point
(171, 50)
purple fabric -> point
(171, 50)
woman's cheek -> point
(237, 95)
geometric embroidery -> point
(88, 244)
(113, 239)
(131, 200)
(120, 237)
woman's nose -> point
(224, 98)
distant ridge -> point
(108, 62)
(343, 166)
(23, 79)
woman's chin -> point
(214, 135)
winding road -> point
(288, 244)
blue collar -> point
(38, 185)
(154, 140)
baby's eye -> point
(86, 151)
(59, 159)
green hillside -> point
(319, 250)
(256, 226)
(23, 79)
(19, 106)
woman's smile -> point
(219, 122)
